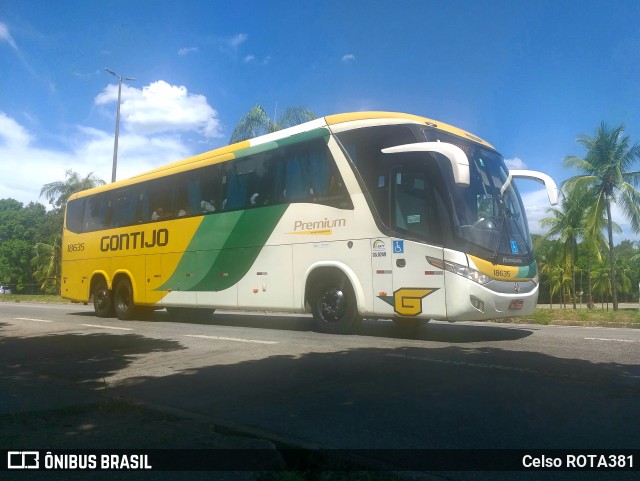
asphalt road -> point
(463, 385)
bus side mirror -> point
(552, 188)
(457, 158)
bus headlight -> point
(459, 269)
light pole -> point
(115, 142)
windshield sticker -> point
(413, 219)
(514, 247)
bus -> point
(374, 215)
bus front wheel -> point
(102, 300)
(334, 307)
(123, 300)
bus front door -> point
(418, 286)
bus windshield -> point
(415, 195)
(486, 217)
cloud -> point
(161, 123)
(536, 204)
(348, 58)
(12, 134)
(237, 40)
(6, 36)
(252, 59)
(89, 150)
(515, 163)
(160, 108)
(187, 50)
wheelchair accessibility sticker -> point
(398, 247)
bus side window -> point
(297, 178)
(209, 187)
(260, 181)
(308, 174)
(236, 189)
(95, 213)
(322, 179)
(124, 208)
(160, 199)
(74, 215)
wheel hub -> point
(333, 305)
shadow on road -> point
(402, 397)
(434, 332)
(78, 358)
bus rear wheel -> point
(102, 299)
(123, 300)
(334, 307)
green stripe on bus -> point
(294, 139)
(224, 260)
(525, 272)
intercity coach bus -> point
(349, 216)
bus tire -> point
(102, 299)
(123, 300)
(334, 306)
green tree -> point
(58, 192)
(566, 224)
(593, 239)
(257, 122)
(20, 228)
(602, 282)
(553, 271)
(47, 259)
(605, 170)
(47, 265)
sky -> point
(529, 77)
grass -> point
(44, 298)
(628, 317)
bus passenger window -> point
(124, 208)
(209, 189)
(297, 179)
(182, 204)
(261, 181)
(96, 213)
(236, 189)
(159, 202)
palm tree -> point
(256, 122)
(47, 260)
(59, 191)
(623, 273)
(602, 282)
(605, 171)
(553, 271)
(47, 264)
(566, 225)
(593, 239)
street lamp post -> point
(115, 141)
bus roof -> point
(340, 122)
